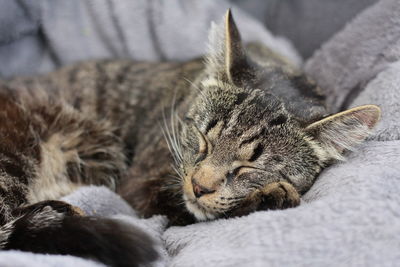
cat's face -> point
(237, 139)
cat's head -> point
(237, 138)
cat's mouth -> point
(198, 210)
(209, 205)
(220, 203)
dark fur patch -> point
(109, 241)
(211, 125)
(240, 98)
(257, 152)
(281, 119)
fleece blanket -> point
(39, 36)
(350, 217)
(306, 23)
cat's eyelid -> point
(242, 164)
(242, 168)
(200, 158)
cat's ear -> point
(343, 131)
(227, 57)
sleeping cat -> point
(246, 129)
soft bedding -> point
(350, 217)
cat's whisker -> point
(167, 137)
(179, 125)
(175, 130)
(198, 89)
(177, 172)
(176, 178)
(180, 202)
(170, 134)
(172, 123)
(174, 183)
(170, 137)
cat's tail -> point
(55, 227)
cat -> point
(247, 131)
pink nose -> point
(199, 190)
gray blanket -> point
(350, 217)
(39, 36)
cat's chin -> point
(199, 212)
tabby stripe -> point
(257, 152)
(281, 119)
(284, 176)
(253, 138)
(211, 125)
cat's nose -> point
(200, 190)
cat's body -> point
(245, 130)
(130, 100)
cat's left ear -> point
(343, 131)
(227, 57)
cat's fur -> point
(246, 129)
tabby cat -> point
(246, 129)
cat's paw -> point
(278, 195)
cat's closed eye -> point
(232, 174)
(200, 158)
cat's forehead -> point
(241, 105)
(233, 117)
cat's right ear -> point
(227, 59)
